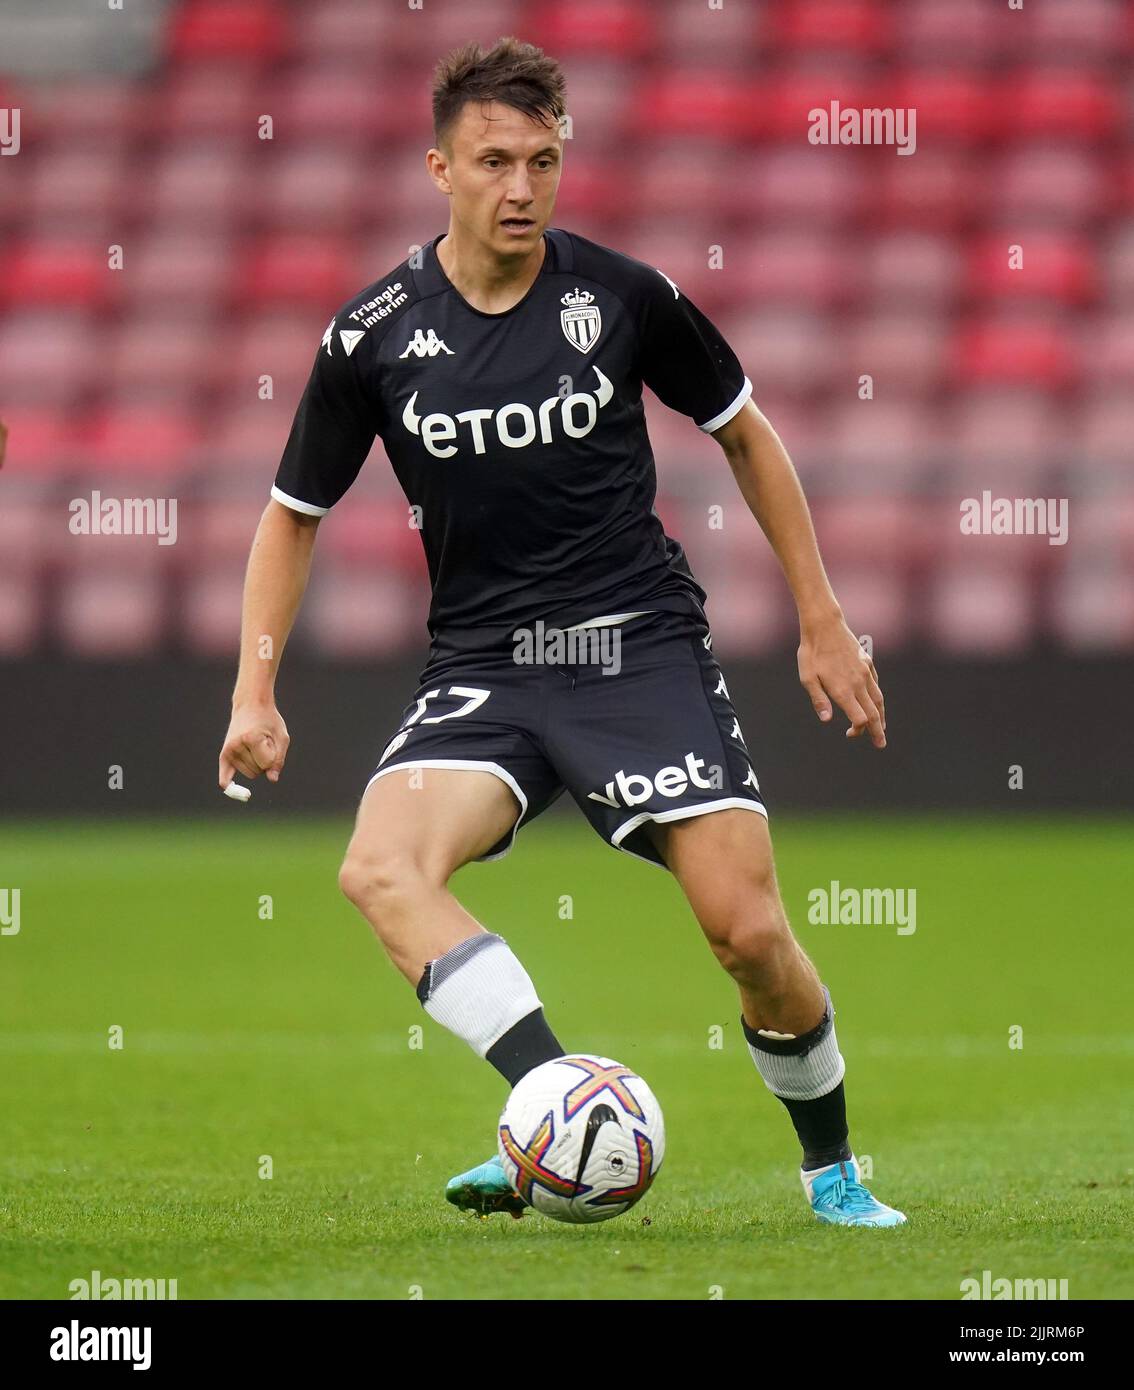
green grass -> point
(290, 1037)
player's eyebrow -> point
(495, 149)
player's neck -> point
(483, 279)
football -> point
(581, 1138)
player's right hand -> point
(257, 741)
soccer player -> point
(502, 367)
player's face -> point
(502, 175)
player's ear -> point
(437, 167)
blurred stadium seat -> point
(689, 151)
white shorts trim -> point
(739, 803)
(307, 508)
(469, 765)
(729, 411)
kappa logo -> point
(581, 323)
(426, 345)
(632, 789)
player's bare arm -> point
(832, 664)
(278, 567)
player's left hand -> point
(833, 666)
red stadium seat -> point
(76, 185)
(1024, 350)
(208, 100)
(601, 107)
(893, 531)
(802, 268)
(206, 29)
(1093, 607)
(1119, 266)
(748, 615)
(316, 271)
(372, 533)
(162, 355)
(1055, 266)
(675, 177)
(878, 601)
(936, 190)
(681, 251)
(1088, 30)
(623, 28)
(1111, 342)
(1060, 102)
(912, 269)
(977, 611)
(1104, 429)
(217, 530)
(348, 614)
(786, 351)
(792, 186)
(280, 344)
(1010, 440)
(727, 34)
(307, 189)
(951, 105)
(108, 614)
(208, 615)
(181, 270)
(1063, 186)
(349, 106)
(40, 440)
(699, 102)
(904, 353)
(841, 25)
(66, 271)
(247, 436)
(344, 31)
(597, 193)
(196, 187)
(969, 32)
(100, 111)
(48, 358)
(780, 106)
(879, 446)
(148, 443)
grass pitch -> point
(247, 1037)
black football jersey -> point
(520, 436)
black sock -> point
(822, 1127)
(524, 1046)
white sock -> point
(478, 990)
(815, 1067)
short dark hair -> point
(515, 73)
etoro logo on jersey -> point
(515, 425)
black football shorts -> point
(637, 726)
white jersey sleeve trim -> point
(307, 508)
(729, 411)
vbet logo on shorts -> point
(515, 424)
(633, 788)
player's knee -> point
(381, 883)
(751, 942)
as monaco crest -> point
(581, 323)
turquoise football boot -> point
(838, 1198)
(485, 1189)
